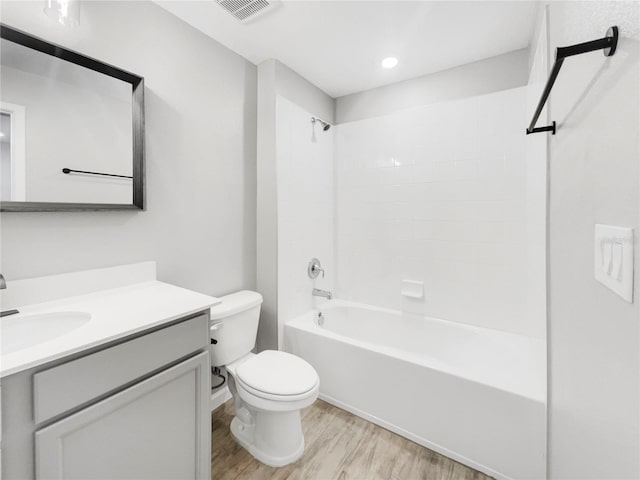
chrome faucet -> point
(321, 293)
(3, 286)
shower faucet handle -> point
(314, 268)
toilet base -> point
(273, 438)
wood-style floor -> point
(338, 445)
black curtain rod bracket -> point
(69, 170)
(608, 46)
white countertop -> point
(115, 313)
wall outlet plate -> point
(613, 259)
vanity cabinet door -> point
(156, 429)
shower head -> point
(325, 126)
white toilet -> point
(269, 388)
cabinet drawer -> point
(77, 382)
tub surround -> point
(305, 227)
(459, 209)
(116, 312)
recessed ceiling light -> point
(389, 62)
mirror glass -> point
(66, 131)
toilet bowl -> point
(269, 388)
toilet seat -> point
(278, 376)
(276, 403)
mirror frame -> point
(137, 85)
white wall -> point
(200, 98)
(594, 403)
(485, 76)
(305, 210)
(72, 126)
(438, 194)
(267, 208)
(276, 79)
(300, 91)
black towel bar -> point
(607, 44)
(69, 170)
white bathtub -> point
(475, 395)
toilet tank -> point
(234, 326)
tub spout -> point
(321, 293)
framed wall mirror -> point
(71, 129)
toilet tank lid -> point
(235, 303)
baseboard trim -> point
(219, 397)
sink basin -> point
(26, 331)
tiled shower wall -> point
(305, 209)
(440, 194)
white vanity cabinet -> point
(137, 408)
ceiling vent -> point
(247, 10)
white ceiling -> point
(338, 45)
